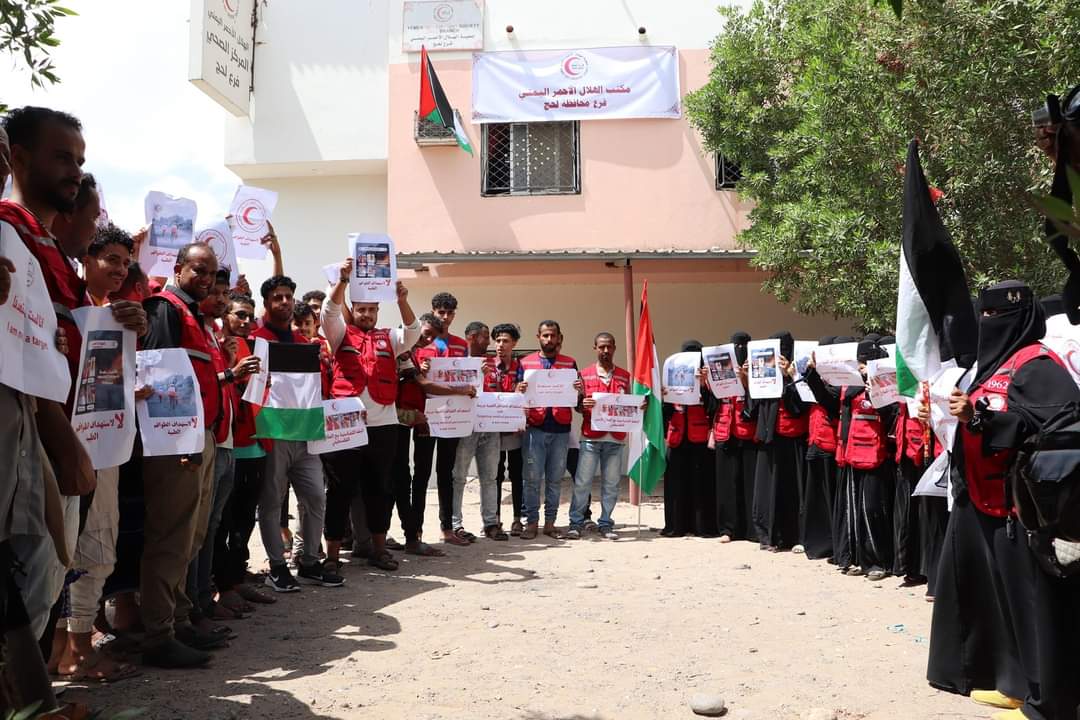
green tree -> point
(27, 31)
(817, 100)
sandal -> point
(453, 539)
(423, 550)
(90, 671)
(516, 528)
(495, 532)
(553, 532)
(252, 594)
(219, 612)
(394, 544)
(383, 561)
(465, 535)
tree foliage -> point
(817, 100)
(27, 32)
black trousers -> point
(510, 462)
(423, 454)
(366, 470)
(238, 522)
(403, 486)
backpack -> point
(1046, 492)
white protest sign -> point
(499, 412)
(722, 366)
(345, 427)
(171, 419)
(935, 481)
(551, 388)
(457, 372)
(765, 380)
(679, 381)
(374, 277)
(256, 390)
(838, 365)
(332, 272)
(881, 374)
(171, 222)
(104, 412)
(450, 416)
(251, 210)
(616, 412)
(941, 388)
(218, 237)
(29, 360)
(1064, 339)
(804, 350)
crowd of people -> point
(154, 554)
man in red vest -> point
(599, 448)
(444, 307)
(178, 489)
(546, 437)
(365, 366)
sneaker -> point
(608, 533)
(317, 574)
(574, 533)
(281, 580)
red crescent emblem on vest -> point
(381, 344)
(997, 402)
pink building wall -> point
(645, 184)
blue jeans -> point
(545, 460)
(608, 455)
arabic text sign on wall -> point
(442, 25)
(222, 42)
(591, 84)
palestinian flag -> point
(648, 454)
(435, 108)
(935, 320)
(287, 392)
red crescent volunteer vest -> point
(229, 396)
(864, 447)
(789, 426)
(985, 474)
(410, 396)
(195, 340)
(724, 420)
(910, 437)
(455, 347)
(365, 360)
(822, 429)
(66, 289)
(689, 421)
(243, 418)
(618, 383)
(502, 380)
(535, 416)
(743, 429)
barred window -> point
(727, 173)
(530, 159)
(426, 132)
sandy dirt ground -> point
(576, 630)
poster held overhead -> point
(765, 380)
(104, 412)
(171, 419)
(29, 360)
(171, 226)
(251, 210)
(838, 365)
(218, 237)
(680, 378)
(723, 374)
(881, 375)
(374, 268)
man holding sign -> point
(548, 434)
(365, 366)
(598, 447)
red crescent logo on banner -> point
(443, 12)
(244, 217)
(231, 6)
(575, 66)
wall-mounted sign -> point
(442, 25)
(222, 44)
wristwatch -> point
(230, 377)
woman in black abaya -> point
(736, 457)
(819, 492)
(1002, 630)
(689, 480)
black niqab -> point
(739, 339)
(1017, 321)
(827, 340)
(787, 343)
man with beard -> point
(365, 367)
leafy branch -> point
(27, 32)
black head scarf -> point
(739, 340)
(1017, 321)
(887, 340)
(842, 339)
(690, 346)
(787, 343)
(1052, 305)
(869, 349)
(827, 340)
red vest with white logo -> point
(502, 380)
(743, 429)
(410, 396)
(822, 429)
(66, 290)
(229, 396)
(206, 360)
(789, 426)
(910, 437)
(535, 416)
(243, 417)
(455, 347)
(724, 420)
(689, 421)
(365, 360)
(985, 474)
(865, 446)
(619, 382)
